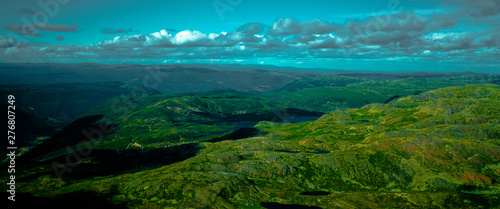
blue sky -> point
(376, 35)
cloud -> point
(252, 28)
(305, 38)
(30, 34)
(15, 27)
(483, 8)
(189, 37)
(432, 36)
(288, 26)
(26, 11)
(57, 28)
(245, 33)
(484, 12)
(171, 30)
(7, 42)
(115, 31)
(31, 30)
(329, 41)
(445, 42)
(59, 38)
(186, 38)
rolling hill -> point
(437, 149)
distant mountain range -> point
(175, 79)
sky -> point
(371, 35)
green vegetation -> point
(437, 149)
(356, 94)
(160, 120)
(155, 121)
(319, 81)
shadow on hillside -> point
(114, 162)
(74, 200)
(275, 205)
(69, 136)
(241, 133)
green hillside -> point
(334, 96)
(438, 149)
(156, 121)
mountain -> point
(332, 92)
(153, 121)
(168, 79)
(189, 78)
(29, 130)
(435, 149)
(60, 104)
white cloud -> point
(450, 35)
(187, 36)
(406, 35)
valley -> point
(322, 141)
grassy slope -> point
(436, 149)
(161, 120)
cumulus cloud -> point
(245, 33)
(329, 41)
(187, 37)
(449, 41)
(402, 35)
(163, 38)
(252, 28)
